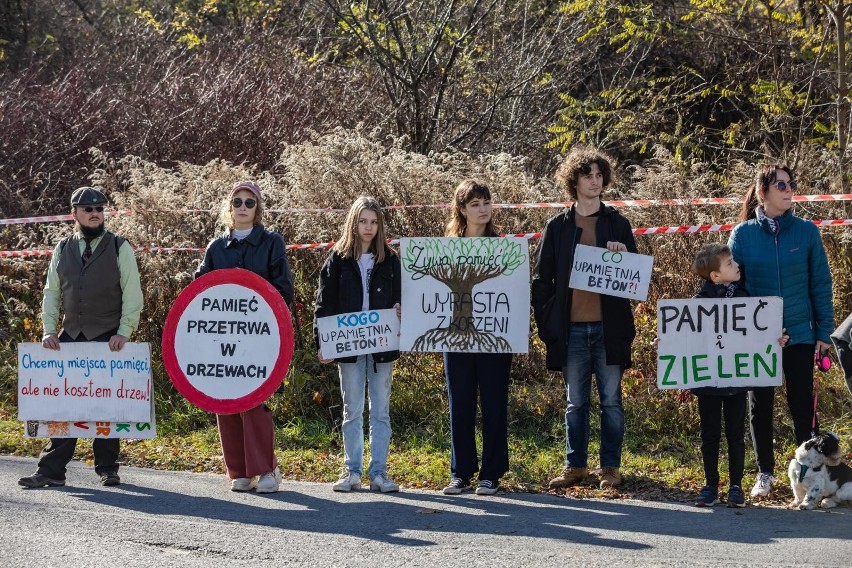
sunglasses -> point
(99, 209)
(785, 185)
(238, 202)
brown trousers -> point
(248, 442)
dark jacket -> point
(710, 290)
(262, 252)
(341, 291)
(551, 296)
(842, 338)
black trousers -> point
(799, 378)
(59, 451)
(711, 409)
(485, 374)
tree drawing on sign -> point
(461, 264)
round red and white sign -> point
(228, 341)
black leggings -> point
(799, 377)
(711, 409)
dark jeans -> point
(59, 451)
(586, 354)
(711, 408)
(488, 375)
(799, 378)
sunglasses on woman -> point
(238, 202)
(785, 185)
(99, 209)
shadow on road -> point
(391, 518)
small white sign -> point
(719, 342)
(623, 274)
(357, 333)
(84, 381)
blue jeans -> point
(587, 355)
(353, 379)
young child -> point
(721, 274)
(360, 274)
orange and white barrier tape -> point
(297, 246)
(542, 205)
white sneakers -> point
(269, 482)
(762, 485)
(383, 483)
(242, 484)
(348, 481)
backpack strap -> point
(62, 244)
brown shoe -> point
(569, 476)
(611, 477)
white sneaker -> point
(348, 481)
(384, 484)
(762, 485)
(242, 484)
(269, 482)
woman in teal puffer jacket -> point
(782, 255)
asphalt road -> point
(165, 519)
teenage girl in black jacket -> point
(361, 274)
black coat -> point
(710, 290)
(842, 338)
(551, 296)
(262, 252)
(340, 291)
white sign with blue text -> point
(85, 382)
(719, 342)
(623, 274)
(358, 333)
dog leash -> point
(816, 400)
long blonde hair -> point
(465, 191)
(349, 245)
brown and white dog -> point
(817, 472)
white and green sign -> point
(719, 342)
(465, 294)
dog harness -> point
(803, 469)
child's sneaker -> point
(762, 485)
(457, 486)
(736, 497)
(707, 497)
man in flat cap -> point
(93, 274)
